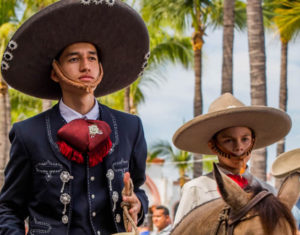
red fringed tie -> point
(80, 137)
(240, 180)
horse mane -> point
(271, 210)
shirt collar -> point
(70, 114)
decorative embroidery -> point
(85, 2)
(141, 74)
(110, 176)
(121, 166)
(98, 1)
(4, 65)
(12, 45)
(94, 130)
(7, 56)
(145, 64)
(46, 228)
(48, 168)
(110, 2)
(115, 198)
(118, 218)
(147, 56)
(115, 126)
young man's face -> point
(80, 63)
(160, 220)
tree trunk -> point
(127, 99)
(228, 36)
(197, 45)
(4, 128)
(257, 56)
(282, 96)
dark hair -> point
(58, 55)
(165, 209)
(271, 210)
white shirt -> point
(70, 114)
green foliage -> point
(287, 18)
(23, 106)
(208, 161)
(164, 150)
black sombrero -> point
(117, 31)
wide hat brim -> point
(269, 125)
(286, 163)
(117, 31)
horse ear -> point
(289, 190)
(230, 191)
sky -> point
(170, 104)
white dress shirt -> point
(70, 114)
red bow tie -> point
(240, 180)
(81, 136)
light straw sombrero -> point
(117, 31)
(286, 163)
(269, 124)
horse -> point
(243, 212)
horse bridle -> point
(231, 220)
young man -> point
(162, 221)
(229, 130)
(68, 165)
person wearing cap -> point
(68, 165)
(229, 130)
(285, 164)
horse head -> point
(251, 211)
(257, 211)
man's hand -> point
(130, 197)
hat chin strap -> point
(89, 88)
(216, 148)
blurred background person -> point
(161, 220)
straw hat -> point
(117, 31)
(286, 163)
(269, 124)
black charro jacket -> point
(34, 187)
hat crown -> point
(225, 101)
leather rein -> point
(231, 220)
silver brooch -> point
(94, 130)
(65, 177)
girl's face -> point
(236, 141)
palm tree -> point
(256, 42)
(234, 16)
(179, 157)
(287, 22)
(7, 27)
(179, 16)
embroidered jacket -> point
(44, 186)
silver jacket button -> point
(65, 219)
